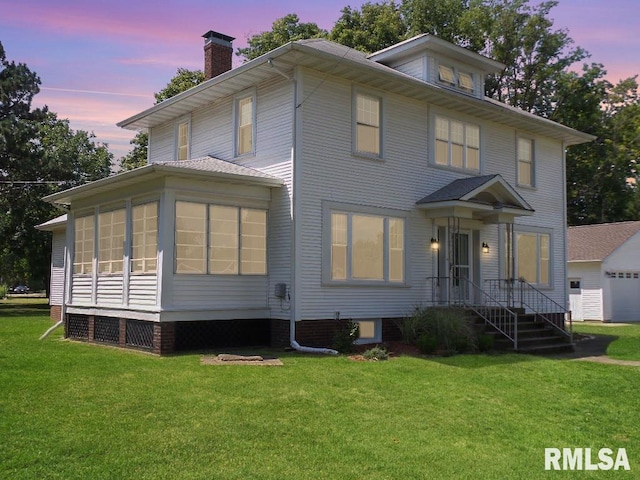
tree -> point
(183, 80)
(39, 154)
(283, 30)
(374, 27)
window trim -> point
(207, 239)
(531, 162)
(251, 93)
(356, 92)
(434, 140)
(538, 231)
(329, 208)
(182, 121)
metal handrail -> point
(518, 293)
(464, 292)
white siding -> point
(58, 241)
(143, 290)
(402, 177)
(622, 295)
(591, 285)
(81, 290)
(109, 290)
(414, 67)
(219, 292)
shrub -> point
(3, 291)
(449, 328)
(346, 336)
(485, 342)
(376, 353)
(427, 343)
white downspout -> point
(294, 264)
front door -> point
(461, 266)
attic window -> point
(446, 74)
(465, 81)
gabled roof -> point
(206, 167)
(486, 197)
(591, 243)
(334, 59)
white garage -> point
(604, 272)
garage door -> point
(625, 297)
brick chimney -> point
(218, 53)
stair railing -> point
(465, 293)
(518, 293)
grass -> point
(626, 345)
(70, 410)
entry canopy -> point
(488, 198)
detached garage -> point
(604, 272)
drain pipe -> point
(46, 334)
(295, 173)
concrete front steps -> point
(535, 336)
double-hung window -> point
(220, 240)
(83, 245)
(366, 247)
(144, 238)
(532, 257)
(368, 110)
(457, 144)
(525, 162)
(183, 134)
(111, 234)
(245, 119)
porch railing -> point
(517, 293)
(460, 291)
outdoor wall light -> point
(434, 244)
(485, 247)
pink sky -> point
(101, 61)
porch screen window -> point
(83, 245)
(182, 149)
(367, 247)
(533, 257)
(191, 224)
(367, 124)
(245, 121)
(220, 240)
(111, 231)
(525, 162)
(457, 144)
(144, 238)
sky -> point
(101, 61)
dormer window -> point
(465, 81)
(446, 75)
(452, 77)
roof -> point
(590, 243)
(468, 190)
(331, 58)
(205, 167)
(53, 224)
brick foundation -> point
(321, 333)
(55, 312)
(164, 338)
(279, 333)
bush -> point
(485, 342)
(448, 328)
(3, 291)
(427, 343)
(376, 353)
(346, 336)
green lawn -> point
(627, 344)
(75, 411)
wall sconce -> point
(485, 247)
(434, 244)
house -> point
(311, 185)
(604, 271)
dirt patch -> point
(232, 359)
